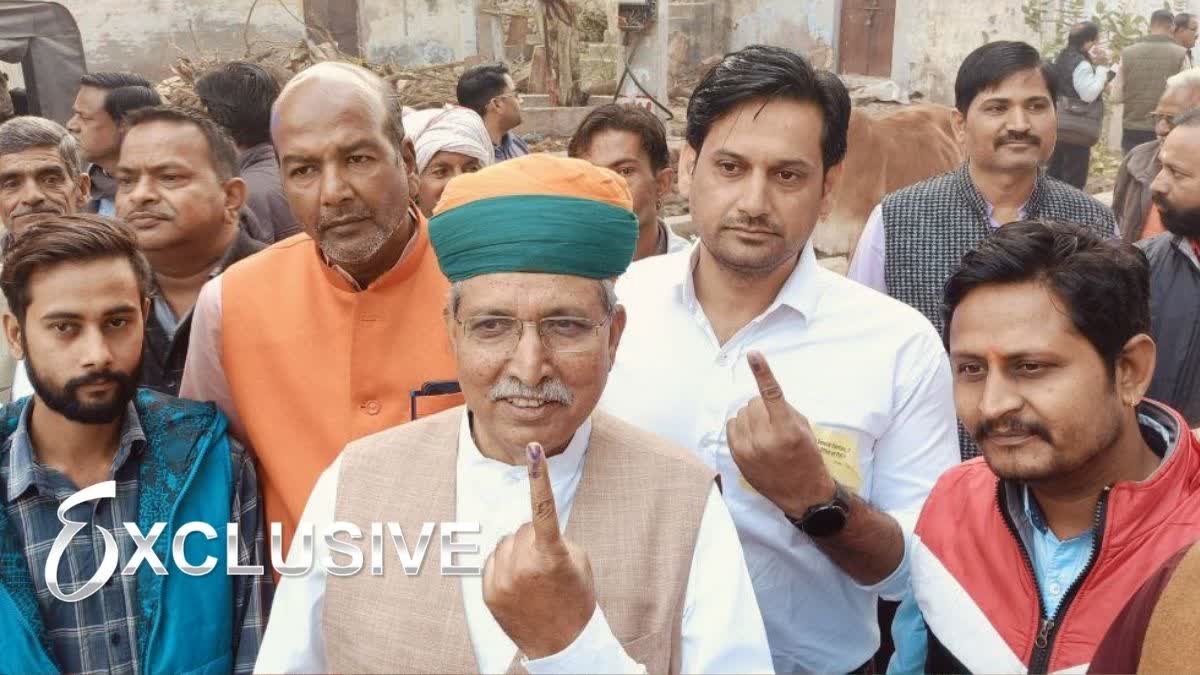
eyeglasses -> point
(559, 334)
(512, 94)
(1163, 117)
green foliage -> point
(1053, 19)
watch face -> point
(826, 521)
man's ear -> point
(83, 191)
(12, 335)
(959, 122)
(665, 182)
(408, 152)
(235, 196)
(833, 177)
(687, 166)
(1135, 368)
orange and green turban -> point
(537, 213)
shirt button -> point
(1055, 589)
(372, 407)
(115, 638)
(722, 360)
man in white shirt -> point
(607, 549)
(827, 452)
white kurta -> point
(722, 628)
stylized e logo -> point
(108, 565)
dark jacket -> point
(162, 356)
(1131, 196)
(264, 195)
(1175, 323)
(1145, 66)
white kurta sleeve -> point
(867, 266)
(294, 642)
(722, 628)
(920, 444)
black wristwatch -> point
(825, 519)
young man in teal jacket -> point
(78, 292)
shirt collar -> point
(1153, 426)
(1189, 249)
(563, 466)
(801, 291)
(23, 467)
(255, 155)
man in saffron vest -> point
(1023, 558)
(321, 339)
(608, 549)
(89, 450)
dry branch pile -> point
(416, 86)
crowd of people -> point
(305, 307)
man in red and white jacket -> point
(1022, 558)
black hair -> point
(1182, 20)
(221, 153)
(121, 101)
(1104, 284)
(624, 117)
(113, 80)
(1083, 33)
(480, 84)
(61, 239)
(989, 65)
(238, 96)
(1161, 17)
(765, 72)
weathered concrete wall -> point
(418, 31)
(934, 36)
(146, 36)
(809, 26)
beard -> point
(66, 402)
(1182, 222)
(366, 245)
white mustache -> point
(553, 391)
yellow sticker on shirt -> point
(839, 449)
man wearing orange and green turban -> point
(602, 547)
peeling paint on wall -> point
(147, 36)
(418, 31)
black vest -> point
(1175, 325)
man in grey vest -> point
(1006, 121)
(1145, 67)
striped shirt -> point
(99, 634)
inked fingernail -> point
(533, 452)
(755, 361)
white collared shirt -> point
(722, 628)
(869, 373)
